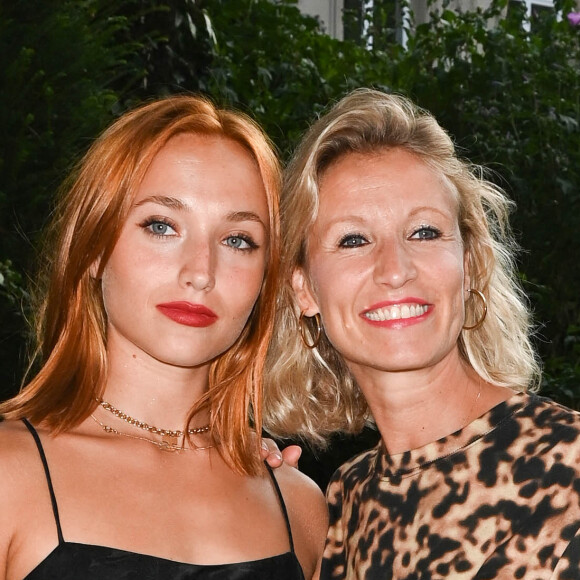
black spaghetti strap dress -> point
(73, 561)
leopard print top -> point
(497, 499)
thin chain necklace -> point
(151, 428)
(164, 445)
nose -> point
(198, 267)
(393, 264)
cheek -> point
(336, 284)
(117, 273)
(449, 277)
(111, 285)
(125, 280)
(115, 290)
(244, 287)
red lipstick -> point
(188, 314)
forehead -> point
(206, 152)
(389, 178)
(194, 164)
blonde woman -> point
(401, 307)
(131, 453)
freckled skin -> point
(497, 499)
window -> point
(375, 24)
(533, 10)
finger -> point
(291, 455)
(269, 446)
(271, 453)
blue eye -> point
(240, 242)
(426, 233)
(159, 228)
(352, 241)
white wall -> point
(328, 11)
(421, 12)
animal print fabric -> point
(497, 499)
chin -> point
(186, 360)
(395, 365)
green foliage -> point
(11, 287)
(509, 97)
(58, 60)
(51, 57)
(174, 45)
(12, 300)
(276, 64)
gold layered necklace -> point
(169, 437)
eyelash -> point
(146, 224)
(434, 232)
(251, 243)
(343, 241)
(431, 229)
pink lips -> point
(188, 314)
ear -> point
(304, 295)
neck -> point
(154, 392)
(414, 408)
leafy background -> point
(509, 97)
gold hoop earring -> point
(484, 314)
(305, 331)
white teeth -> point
(397, 312)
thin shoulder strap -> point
(282, 505)
(48, 479)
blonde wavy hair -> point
(310, 392)
(71, 322)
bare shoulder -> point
(294, 484)
(17, 448)
(21, 471)
(308, 516)
(19, 464)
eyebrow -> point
(175, 203)
(171, 202)
(357, 219)
(244, 216)
(441, 212)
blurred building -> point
(345, 18)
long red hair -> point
(71, 321)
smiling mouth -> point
(397, 312)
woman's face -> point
(188, 267)
(386, 266)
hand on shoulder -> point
(275, 458)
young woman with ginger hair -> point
(135, 450)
